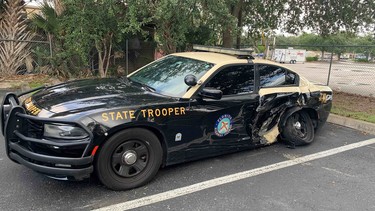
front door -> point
(226, 123)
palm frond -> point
(14, 28)
(48, 20)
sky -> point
(33, 2)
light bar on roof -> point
(230, 51)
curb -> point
(352, 123)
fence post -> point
(330, 67)
(127, 56)
(50, 45)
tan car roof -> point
(222, 59)
(218, 58)
(215, 58)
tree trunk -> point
(239, 26)
(265, 49)
(227, 38)
(101, 66)
(100, 59)
(169, 45)
(322, 57)
(104, 48)
(14, 28)
(109, 54)
(234, 10)
(255, 45)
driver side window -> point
(234, 80)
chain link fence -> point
(37, 60)
(348, 69)
(135, 54)
(127, 57)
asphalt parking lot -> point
(344, 181)
(346, 76)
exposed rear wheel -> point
(299, 129)
(129, 159)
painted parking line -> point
(231, 178)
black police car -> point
(183, 107)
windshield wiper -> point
(149, 88)
(124, 80)
(145, 86)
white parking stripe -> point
(230, 178)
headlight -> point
(64, 131)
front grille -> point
(34, 129)
(45, 149)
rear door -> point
(279, 89)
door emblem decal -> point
(178, 137)
(223, 125)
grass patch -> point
(354, 106)
(36, 84)
(355, 115)
(311, 58)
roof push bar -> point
(240, 53)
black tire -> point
(114, 163)
(299, 129)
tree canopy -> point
(82, 29)
(222, 21)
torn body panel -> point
(277, 104)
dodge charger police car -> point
(182, 107)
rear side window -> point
(234, 80)
(271, 76)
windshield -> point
(166, 75)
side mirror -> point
(211, 93)
(190, 80)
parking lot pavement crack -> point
(338, 172)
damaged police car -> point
(183, 107)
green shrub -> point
(311, 58)
(361, 60)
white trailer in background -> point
(289, 55)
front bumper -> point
(25, 144)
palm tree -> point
(59, 7)
(2, 5)
(48, 23)
(14, 30)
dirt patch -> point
(26, 78)
(354, 106)
(26, 81)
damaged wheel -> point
(299, 129)
(129, 159)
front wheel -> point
(299, 129)
(129, 159)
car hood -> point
(93, 94)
